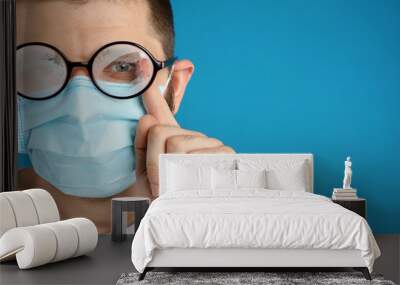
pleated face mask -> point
(82, 141)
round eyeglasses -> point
(120, 70)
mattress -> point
(250, 219)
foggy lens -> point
(122, 70)
(41, 71)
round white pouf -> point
(45, 205)
(52, 242)
(87, 233)
(67, 240)
(23, 208)
(7, 218)
(33, 246)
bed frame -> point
(246, 259)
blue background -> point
(320, 77)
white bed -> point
(249, 227)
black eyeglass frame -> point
(157, 66)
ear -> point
(182, 72)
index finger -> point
(157, 106)
(142, 129)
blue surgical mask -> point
(82, 141)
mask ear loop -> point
(163, 87)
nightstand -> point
(358, 206)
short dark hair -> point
(162, 19)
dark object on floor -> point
(268, 278)
(120, 207)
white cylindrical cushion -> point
(87, 234)
(67, 239)
(34, 245)
(45, 243)
(7, 218)
(45, 205)
(23, 208)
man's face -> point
(79, 29)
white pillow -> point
(251, 178)
(281, 174)
(219, 163)
(223, 179)
(289, 179)
(188, 177)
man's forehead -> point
(79, 30)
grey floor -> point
(110, 260)
(389, 262)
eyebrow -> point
(83, 2)
(76, 2)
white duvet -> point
(250, 218)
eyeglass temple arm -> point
(168, 62)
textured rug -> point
(233, 278)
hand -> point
(164, 135)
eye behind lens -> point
(122, 70)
